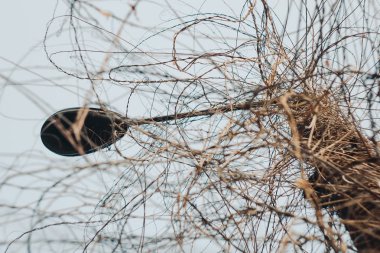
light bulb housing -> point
(78, 131)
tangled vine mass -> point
(273, 146)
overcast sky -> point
(22, 66)
(31, 89)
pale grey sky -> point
(31, 89)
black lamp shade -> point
(68, 134)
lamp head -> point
(79, 131)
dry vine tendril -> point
(282, 158)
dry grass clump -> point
(346, 179)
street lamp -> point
(79, 130)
